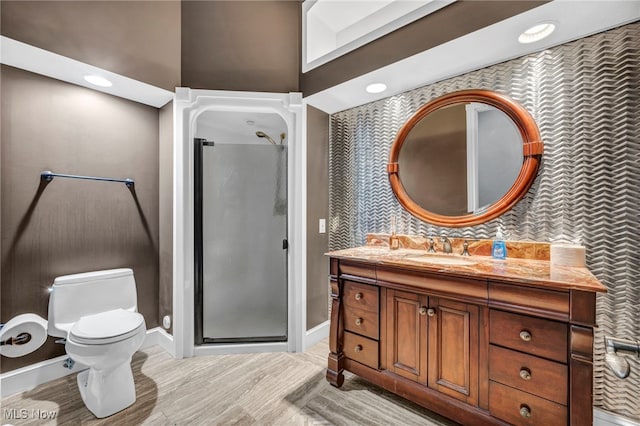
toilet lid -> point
(106, 327)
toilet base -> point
(105, 392)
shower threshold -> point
(266, 339)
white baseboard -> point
(316, 334)
(605, 418)
(26, 378)
(158, 336)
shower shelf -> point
(48, 176)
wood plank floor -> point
(247, 389)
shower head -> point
(261, 134)
(618, 364)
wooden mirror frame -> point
(532, 155)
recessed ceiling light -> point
(376, 88)
(98, 81)
(537, 33)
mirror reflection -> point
(461, 159)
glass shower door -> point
(244, 240)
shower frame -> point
(189, 104)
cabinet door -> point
(453, 349)
(407, 335)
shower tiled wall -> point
(585, 97)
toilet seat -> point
(106, 327)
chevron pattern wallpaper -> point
(585, 97)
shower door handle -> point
(207, 143)
(285, 244)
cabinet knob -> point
(358, 321)
(525, 373)
(525, 411)
(525, 335)
(358, 348)
(424, 311)
(358, 296)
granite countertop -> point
(516, 270)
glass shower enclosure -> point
(240, 228)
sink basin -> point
(437, 260)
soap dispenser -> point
(394, 241)
(499, 247)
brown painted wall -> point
(165, 215)
(69, 225)
(138, 39)
(241, 45)
(317, 208)
(446, 24)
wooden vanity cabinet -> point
(474, 350)
(453, 350)
(528, 374)
(433, 341)
(361, 322)
(406, 339)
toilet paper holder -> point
(22, 335)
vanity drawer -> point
(523, 409)
(556, 303)
(532, 335)
(541, 377)
(361, 349)
(361, 322)
(361, 296)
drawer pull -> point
(358, 296)
(525, 411)
(358, 321)
(525, 335)
(525, 374)
(358, 348)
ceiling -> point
(24, 56)
(487, 46)
(235, 127)
(331, 28)
(490, 45)
(339, 15)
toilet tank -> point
(78, 295)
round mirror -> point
(465, 158)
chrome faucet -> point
(446, 245)
(431, 246)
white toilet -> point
(96, 313)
